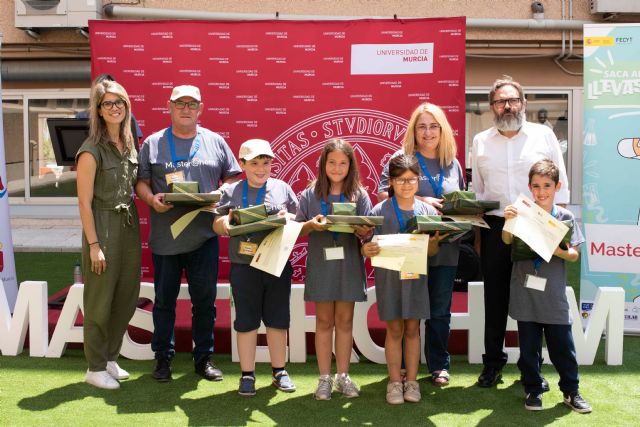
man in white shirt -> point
(500, 159)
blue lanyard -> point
(194, 148)
(537, 262)
(325, 212)
(396, 208)
(245, 194)
(437, 191)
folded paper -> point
(521, 251)
(406, 253)
(536, 227)
(275, 249)
(181, 223)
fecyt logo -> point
(598, 41)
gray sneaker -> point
(323, 391)
(345, 386)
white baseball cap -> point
(185, 90)
(253, 148)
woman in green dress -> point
(106, 173)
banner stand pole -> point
(7, 261)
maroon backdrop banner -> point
(294, 83)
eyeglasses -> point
(434, 127)
(500, 103)
(402, 181)
(193, 105)
(108, 105)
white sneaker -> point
(395, 393)
(345, 386)
(412, 392)
(101, 379)
(116, 371)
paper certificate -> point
(536, 227)
(275, 249)
(406, 253)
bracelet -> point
(94, 243)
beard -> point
(506, 123)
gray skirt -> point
(335, 280)
(401, 299)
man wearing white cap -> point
(183, 152)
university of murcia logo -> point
(373, 134)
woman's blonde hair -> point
(98, 133)
(447, 148)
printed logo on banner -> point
(410, 58)
(3, 189)
(298, 261)
(613, 248)
(291, 82)
(298, 150)
(598, 41)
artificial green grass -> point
(54, 268)
(37, 391)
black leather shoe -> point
(206, 369)
(489, 376)
(545, 384)
(162, 371)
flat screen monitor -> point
(67, 135)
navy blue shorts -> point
(260, 296)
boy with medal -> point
(257, 295)
(539, 303)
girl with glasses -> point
(430, 137)
(403, 300)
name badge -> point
(535, 282)
(248, 248)
(177, 176)
(409, 276)
(334, 253)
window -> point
(33, 173)
(552, 108)
(46, 177)
(12, 115)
